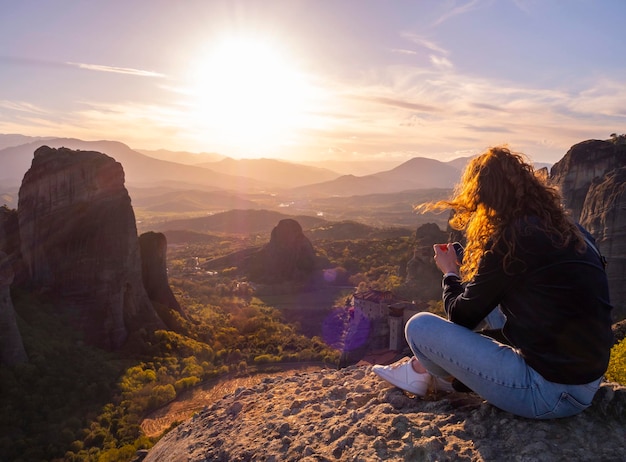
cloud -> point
(116, 70)
(424, 43)
(524, 5)
(432, 110)
(438, 56)
(462, 9)
(401, 104)
(441, 62)
(403, 52)
(489, 128)
(30, 62)
(21, 106)
(133, 123)
(606, 97)
(489, 107)
(91, 67)
(336, 150)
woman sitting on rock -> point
(526, 256)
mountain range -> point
(206, 183)
(416, 173)
(237, 222)
(242, 176)
(139, 169)
(280, 174)
(172, 185)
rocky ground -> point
(352, 415)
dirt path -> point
(203, 395)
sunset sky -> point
(316, 79)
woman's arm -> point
(468, 306)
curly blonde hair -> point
(498, 188)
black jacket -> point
(556, 303)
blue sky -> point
(317, 79)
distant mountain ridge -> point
(416, 173)
(182, 157)
(138, 168)
(10, 140)
(281, 173)
(237, 222)
(243, 176)
(171, 187)
(349, 166)
(173, 200)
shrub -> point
(617, 365)
(266, 359)
(186, 383)
(161, 394)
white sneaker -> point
(402, 375)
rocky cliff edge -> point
(351, 414)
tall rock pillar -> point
(79, 243)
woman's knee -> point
(422, 324)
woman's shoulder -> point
(531, 234)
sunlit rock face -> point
(79, 243)
(604, 215)
(592, 179)
(583, 163)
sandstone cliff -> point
(582, 163)
(603, 214)
(79, 243)
(352, 415)
(592, 179)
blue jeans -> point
(496, 372)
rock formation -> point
(289, 256)
(289, 252)
(582, 163)
(603, 215)
(351, 414)
(153, 249)
(592, 179)
(11, 347)
(79, 243)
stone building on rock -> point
(377, 320)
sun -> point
(246, 93)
